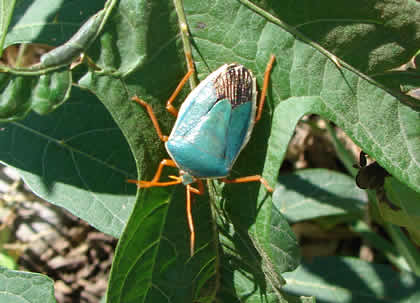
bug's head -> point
(186, 177)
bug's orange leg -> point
(155, 181)
(152, 117)
(169, 107)
(190, 220)
(256, 178)
(265, 86)
(198, 191)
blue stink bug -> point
(213, 125)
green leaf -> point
(405, 198)
(18, 286)
(381, 244)
(315, 193)
(43, 94)
(339, 280)
(405, 247)
(238, 285)
(405, 212)
(76, 158)
(6, 10)
(251, 269)
(48, 22)
(152, 263)
(374, 36)
(385, 128)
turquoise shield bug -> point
(213, 125)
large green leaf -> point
(320, 193)
(22, 287)
(153, 263)
(251, 267)
(373, 36)
(345, 280)
(241, 283)
(76, 158)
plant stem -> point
(185, 36)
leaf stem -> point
(185, 36)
